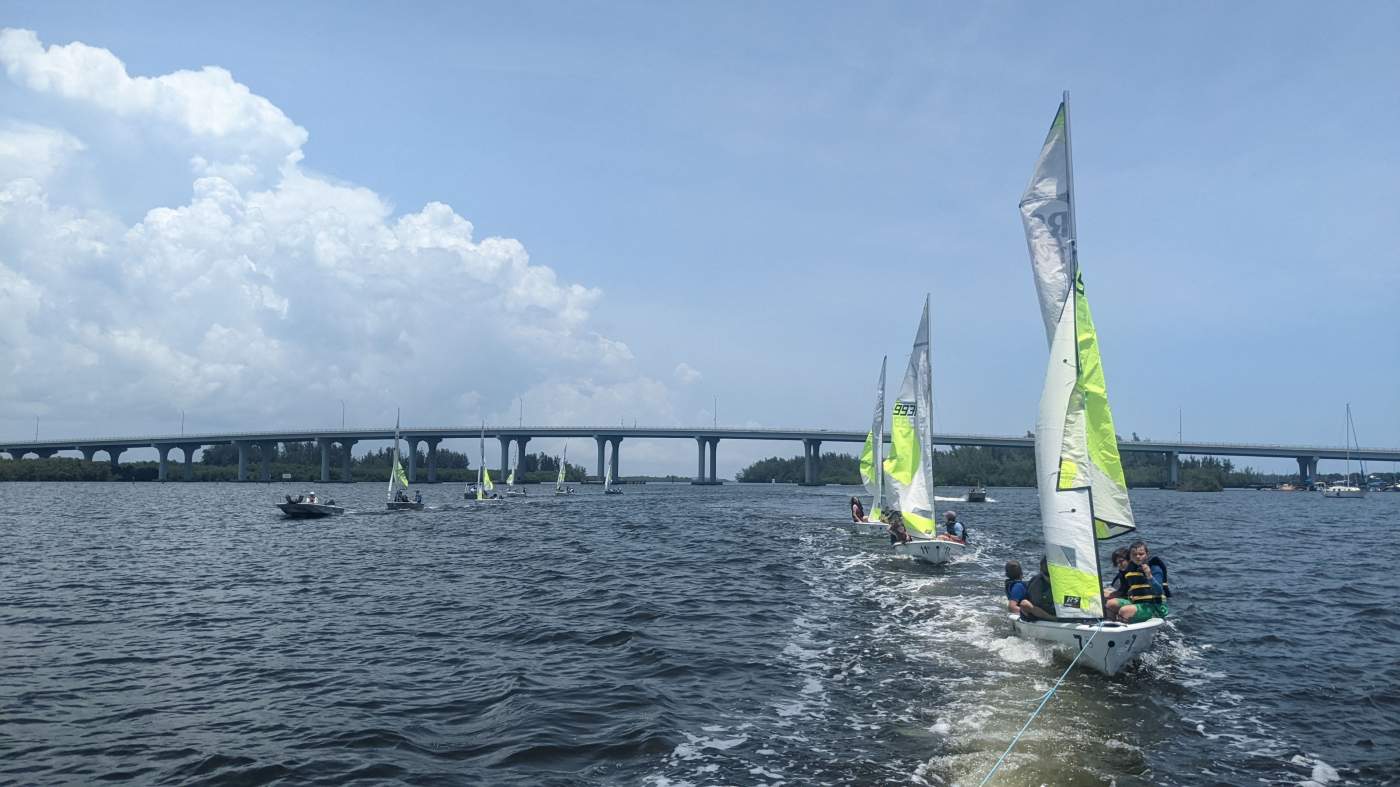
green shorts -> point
(1146, 610)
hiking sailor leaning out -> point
(1144, 591)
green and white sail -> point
(1083, 495)
(607, 468)
(872, 456)
(510, 477)
(481, 466)
(563, 462)
(910, 461)
(396, 474)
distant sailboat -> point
(872, 466)
(397, 477)
(1346, 488)
(1079, 475)
(559, 487)
(511, 491)
(481, 492)
(910, 463)
(608, 488)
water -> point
(674, 635)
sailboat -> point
(481, 492)
(511, 491)
(910, 462)
(559, 487)
(608, 488)
(872, 466)
(1079, 475)
(399, 502)
(1345, 488)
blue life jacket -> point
(1012, 583)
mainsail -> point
(607, 469)
(1083, 494)
(510, 478)
(872, 456)
(910, 463)
(559, 480)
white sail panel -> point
(872, 456)
(1046, 215)
(910, 463)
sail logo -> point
(907, 409)
(1058, 224)
(1071, 602)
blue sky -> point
(742, 201)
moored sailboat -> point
(1079, 475)
(910, 461)
(1346, 489)
(511, 491)
(872, 466)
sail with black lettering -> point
(910, 460)
(1083, 494)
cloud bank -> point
(163, 247)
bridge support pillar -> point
(88, 453)
(812, 460)
(714, 453)
(45, 453)
(163, 452)
(325, 446)
(700, 467)
(188, 473)
(601, 442)
(242, 446)
(114, 454)
(617, 449)
(432, 458)
(520, 443)
(269, 450)
(412, 459)
(347, 474)
(505, 455)
(1307, 469)
(1173, 469)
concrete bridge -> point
(707, 443)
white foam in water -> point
(1322, 773)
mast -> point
(1069, 198)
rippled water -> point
(673, 635)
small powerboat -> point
(308, 507)
(977, 494)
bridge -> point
(707, 441)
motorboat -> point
(309, 507)
(977, 494)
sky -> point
(611, 213)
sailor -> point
(1144, 587)
(857, 510)
(311, 497)
(1040, 599)
(1113, 591)
(898, 534)
(1015, 587)
(417, 496)
(953, 530)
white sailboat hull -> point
(928, 550)
(1113, 647)
(869, 529)
(1344, 491)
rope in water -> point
(1044, 700)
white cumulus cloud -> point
(686, 373)
(264, 293)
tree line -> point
(995, 466)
